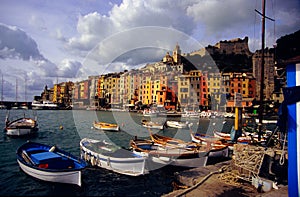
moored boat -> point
(152, 125)
(49, 163)
(21, 126)
(177, 124)
(246, 138)
(172, 142)
(167, 150)
(111, 157)
(105, 126)
(165, 155)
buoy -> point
(61, 127)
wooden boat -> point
(20, 126)
(249, 138)
(204, 139)
(214, 148)
(106, 126)
(168, 150)
(152, 125)
(50, 163)
(177, 124)
(165, 155)
(172, 142)
(111, 157)
(212, 140)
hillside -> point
(288, 46)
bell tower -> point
(177, 54)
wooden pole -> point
(262, 73)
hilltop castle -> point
(234, 46)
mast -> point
(1, 88)
(262, 72)
(25, 91)
(16, 90)
(262, 69)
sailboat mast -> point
(1, 88)
(16, 90)
(262, 72)
(25, 92)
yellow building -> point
(215, 90)
(184, 90)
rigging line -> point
(274, 24)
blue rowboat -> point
(49, 163)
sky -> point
(43, 42)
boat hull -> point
(161, 127)
(167, 158)
(69, 177)
(220, 152)
(132, 166)
(176, 124)
(152, 125)
(20, 131)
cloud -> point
(219, 16)
(15, 43)
(136, 46)
(209, 21)
(94, 27)
(69, 68)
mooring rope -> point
(200, 182)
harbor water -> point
(65, 129)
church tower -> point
(177, 54)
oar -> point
(27, 157)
